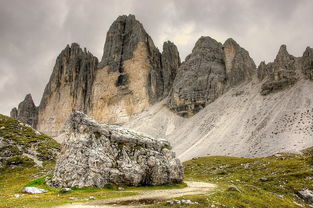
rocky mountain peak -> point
(209, 47)
(279, 74)
(284, 59)
(69, 88)
(239, 65)
(121, 41)
(210, 70)
(26, 111)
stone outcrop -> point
(26, 112)
(307, 63)
(207, 73)
(95, 155)
(69, 88)
(279, 74)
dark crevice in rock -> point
(76, 69)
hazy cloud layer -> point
(33, 32)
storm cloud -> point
(33, 32)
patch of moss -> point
(97, 134)
(136, 147)
(167, 147)
(19, 161)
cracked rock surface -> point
(95, 155)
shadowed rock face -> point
(124, 37)
(239, 65)
(279, 74)
(69, 88)
(200, 79)
(26, 112)
(307, 63)
(95, 155)
(170, 64)
(131, 75)
(207, 73)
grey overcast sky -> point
(33, 32)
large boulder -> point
(94, 155)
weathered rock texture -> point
(97, 155)
(69, 88)
(279, 74)
(239, 65)
(131, 76)
(307, 63)
(170, 63)
(26, 112)
(207, 72)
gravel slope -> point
(240, 123)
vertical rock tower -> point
(68, 89)
(26, 112)
(131, 75)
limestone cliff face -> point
(69, 88)
(26, 112)
(131, 75)
(278, 74)
(170, 64)
(207, 73)
(239, 65)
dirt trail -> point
(146, 197)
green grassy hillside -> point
(271, 182)
(23, 146)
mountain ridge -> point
(215, 84)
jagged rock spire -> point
(307, 63)
(207, 73)
(239, 65)
(26, 112)
(170, 64)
